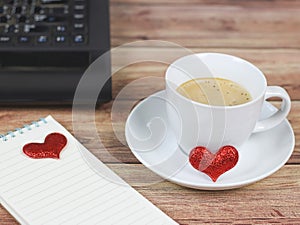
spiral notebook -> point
(75, 189)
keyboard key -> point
(54, 1)
(42, 39)
(79, 38)
(17, 28)
(31, 28)
(39, 18)
(78, 26)
(60, 39)
(61, 28)
(24, 39)
(79, 7)
(53, 19)
(5, 39)
(28, 28)
(78, 16)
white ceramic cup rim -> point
(254, 100)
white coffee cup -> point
(197, 124)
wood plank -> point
(272, 200)
(275, 198)
(138, 176)
(6, 218)
(115, 148)
(243, 24)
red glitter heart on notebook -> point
(214, 165)
(51, 148)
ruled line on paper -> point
(40, 191)
(65, 213)
(108, 207)
(57, 192)
(56, 200)
(123, 208)
(101, 202)
(26, 167)
(72, 201)
(34, 178)
(136, 219)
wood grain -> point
(251, 3)
(266, 201)
(242, 24)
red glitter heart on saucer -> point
(51, 148)
(214, 165)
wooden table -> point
(267, 33)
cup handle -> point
(280, 115)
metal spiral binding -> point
(28, 127)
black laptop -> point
(46, 45)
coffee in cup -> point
(215, 91)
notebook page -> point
(68, 190)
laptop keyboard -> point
(43, 22)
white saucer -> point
(153, 143)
